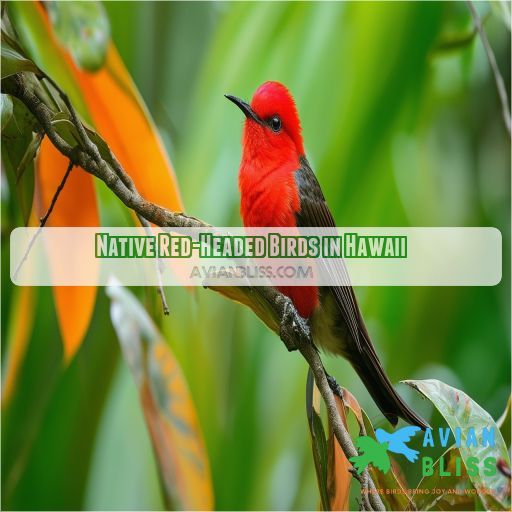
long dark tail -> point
(368, 367)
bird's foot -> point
(335, 387)
(293, 327)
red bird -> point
(279, 189)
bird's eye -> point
(275, 123)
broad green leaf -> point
(13, 62)
(84, 29)
(46, 416)
(444, 498)
(6, 110)
(165, 399)
(14, 59)
(459, 410)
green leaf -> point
(14, 62)
(6, 110)
(166, 402)
(84, 29)
(502, 9)
(29, 156)
(318, 439)
(459, 410)
(17, 138)
(28, 20)
(443, 498)
(65, 128)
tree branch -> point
(293, 329)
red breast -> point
(272, 147)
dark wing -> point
(314, 212)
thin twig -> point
(159, 268)
(292, 328)
(500, 84)
(161, 292)
(61, 186)
(44, 218)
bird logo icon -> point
(375, 452)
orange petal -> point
(121, 118)
(175, 432)
(76, 206)
(20, 328)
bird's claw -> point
(292, 327)
(335, 387)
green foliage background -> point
(403, 126)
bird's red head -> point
(271, 154)
(272, 128)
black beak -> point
(245, 108)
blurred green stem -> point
(500, 84)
